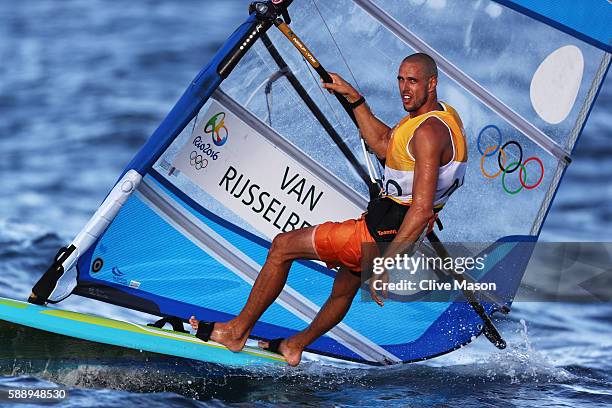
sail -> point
(588, 22)
(255, 147)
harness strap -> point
(384, 217)
(436, 219)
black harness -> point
(385, 216)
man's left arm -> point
(427, 147)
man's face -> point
(414, 85)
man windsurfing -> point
(425, 158)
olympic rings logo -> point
(504, 168)
(197, 160)
(216, 127)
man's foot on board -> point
(223, 333)
(284, 347)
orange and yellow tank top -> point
(399, 166)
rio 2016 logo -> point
(216, 127)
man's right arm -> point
(373, 131)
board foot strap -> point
(175, 322)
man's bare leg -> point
(333, 311)
(286, 248)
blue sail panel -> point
(159, 270)
(150, 266)
(586, 20)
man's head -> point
(417, 79)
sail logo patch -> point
(217, 129)
(266, 186)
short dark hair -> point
(431, 68)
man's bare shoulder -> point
(431, 134)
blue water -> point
(83, 84)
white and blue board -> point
(131, 335)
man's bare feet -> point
(289, 350)
(224, 333)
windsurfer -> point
(425, 156)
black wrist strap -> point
(358, 102)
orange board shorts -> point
(339, 243)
